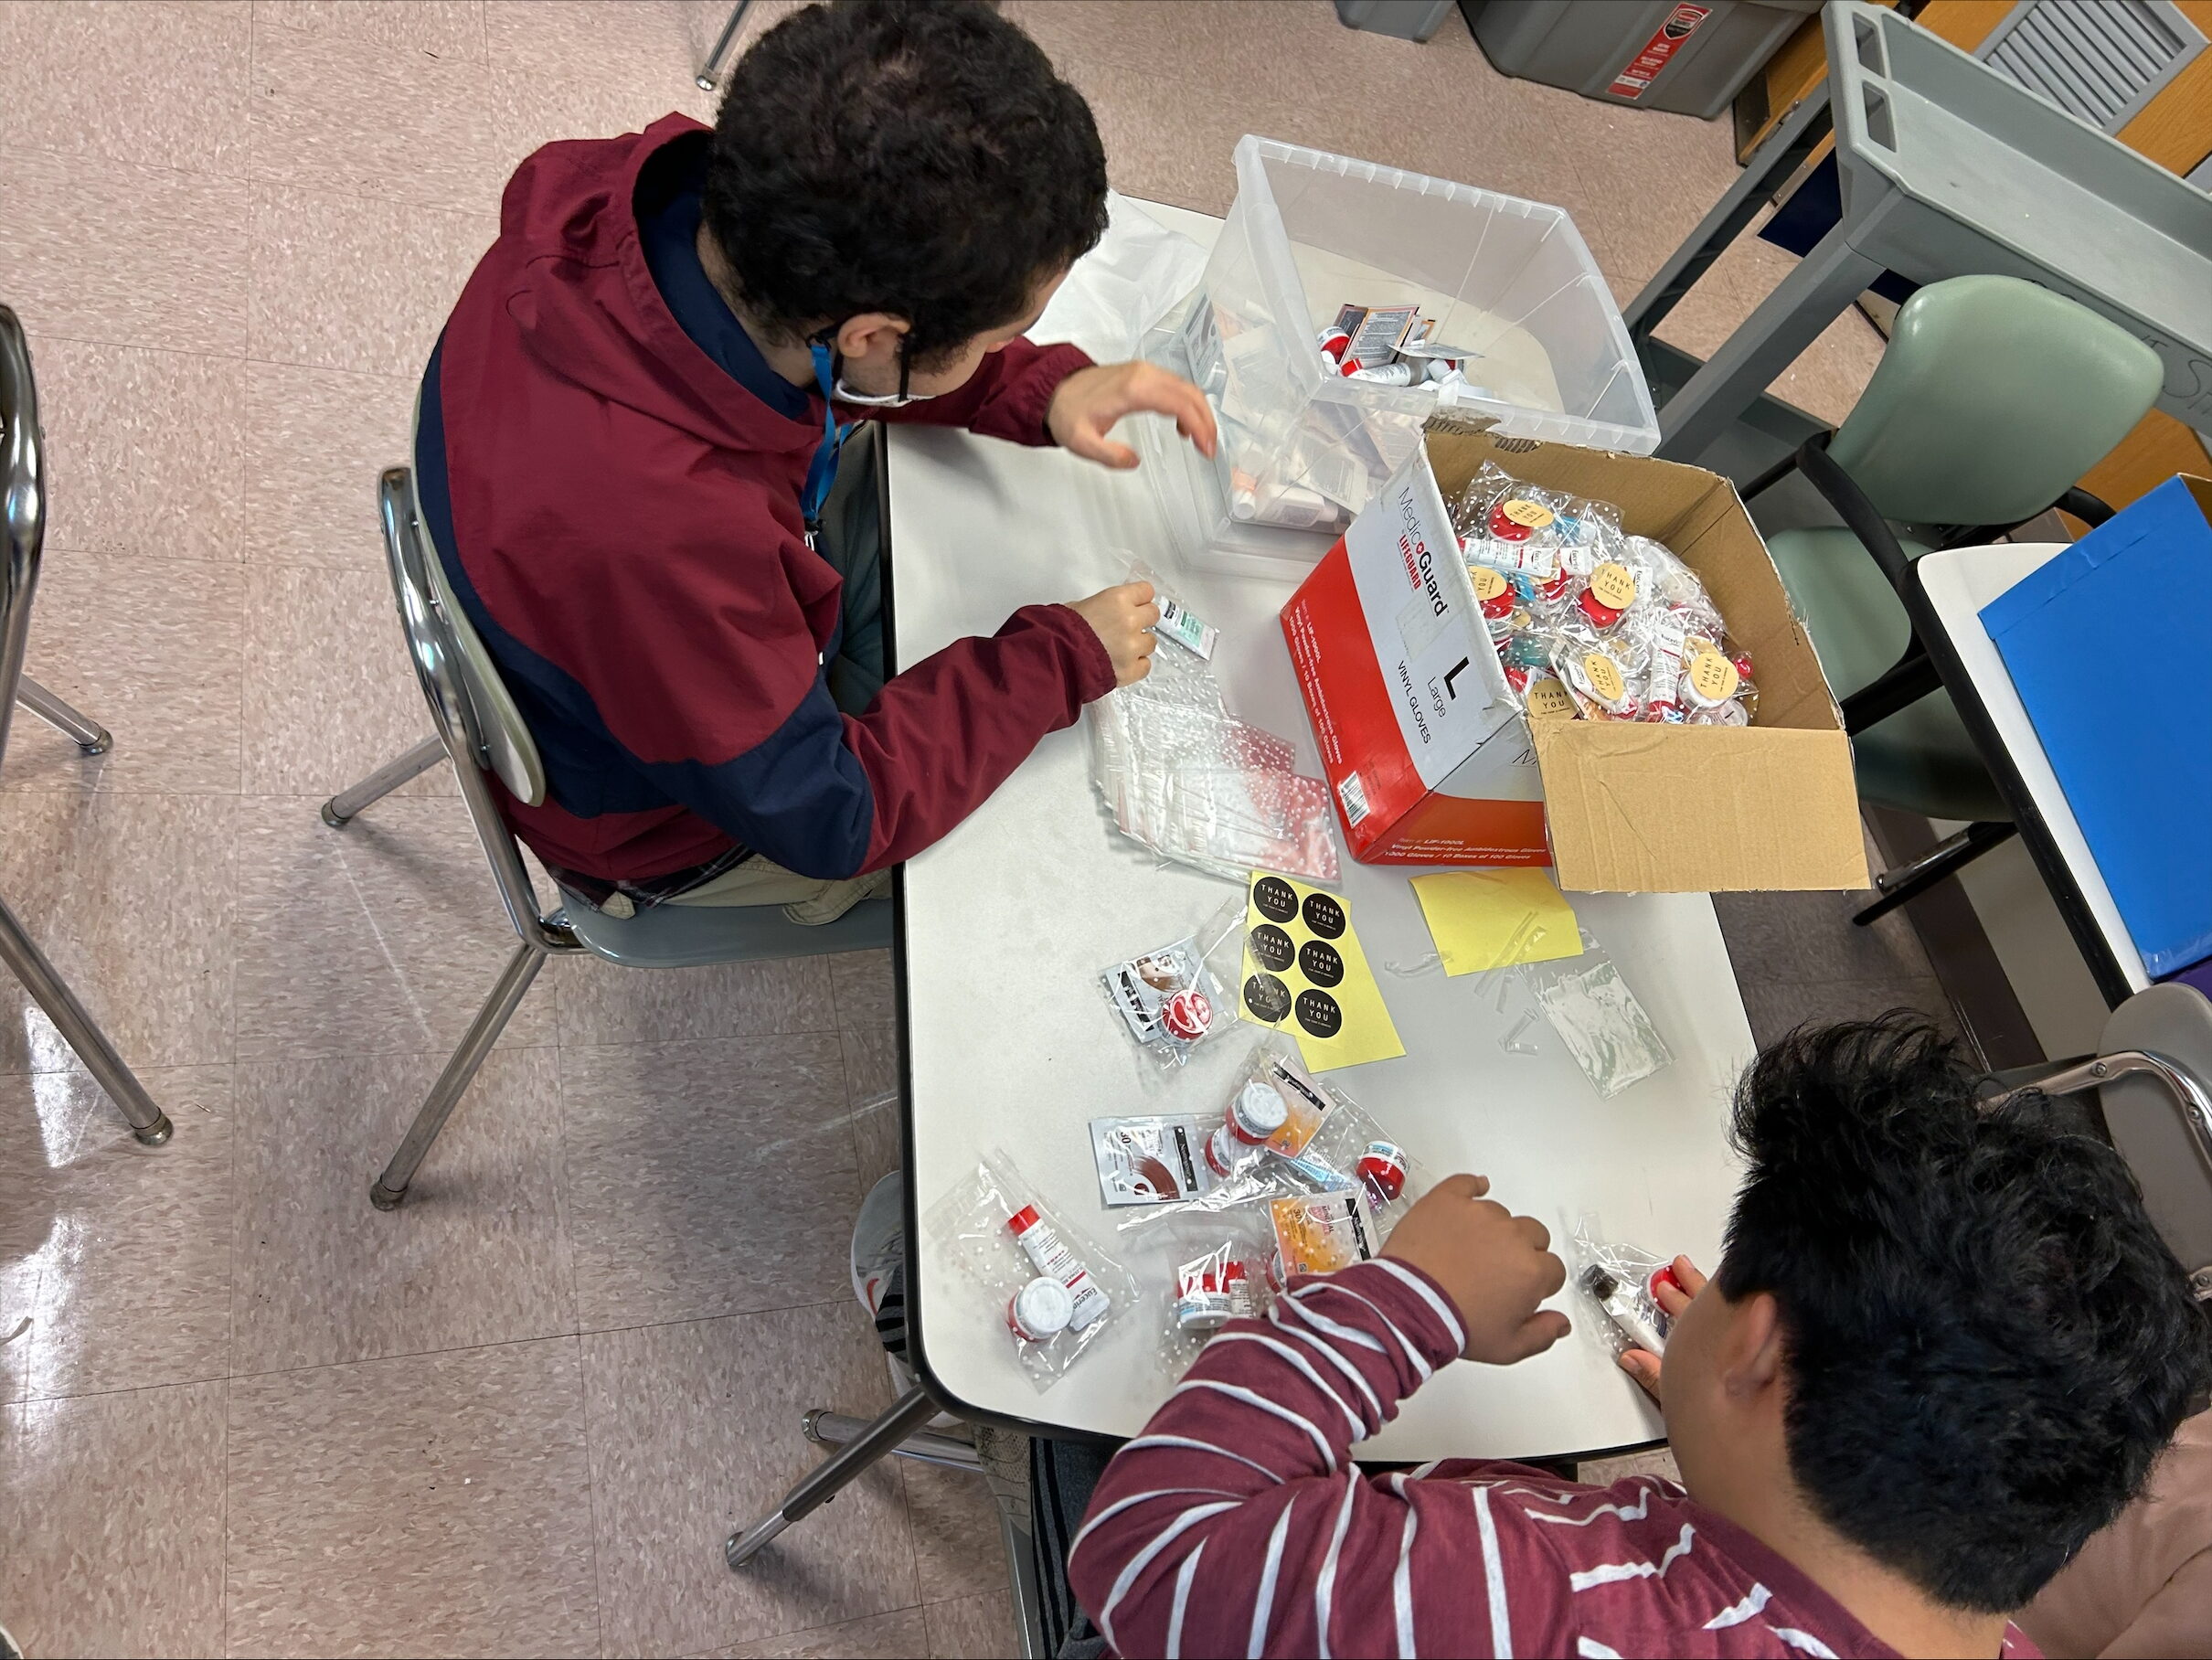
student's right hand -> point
(1123, 619)
(1493, 1265)
(1642, 1364)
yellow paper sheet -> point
(1304, 974)
(1489, 919)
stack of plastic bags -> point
(1188, 780)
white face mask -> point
(829, 376)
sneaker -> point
(880, 1244)
(878, 1264)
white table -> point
(1958, 582)
(1007, 1040)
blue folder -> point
(2110, 646)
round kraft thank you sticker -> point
(1324, 915)
(1605, 682)
(1271, 948)
(1712, 677)
(1320, 962)
(1531, 516)
(1614, 585)
(1268, 998)
(1318, 1013)
(1488, 583)
(1277, 899)
(1548, 699)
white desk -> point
(1008, 1042)
(1958, 582)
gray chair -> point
(478, 725)
(2151, 1085)
(26, 534)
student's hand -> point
(1123, 619)
(1672, 1298)
(1090, 401)
(1493, 1265)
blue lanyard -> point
(822, 471)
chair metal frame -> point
(718, 60)
(26, 542)
(1915, 674)
(434, 649)
(431, 648)
(2192, 1097)
(483, 737)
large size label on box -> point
(1430, 643)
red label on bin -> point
(1638, 74)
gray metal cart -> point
(1948, 168)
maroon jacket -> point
(621, 520)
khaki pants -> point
(2143, 1586)
(804, 898)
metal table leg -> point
(906, 1415)
(51, 993)
(1766, 343)
(827, 1429)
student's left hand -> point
(1087, 403)
(1493, 1265)
(1674, 1296)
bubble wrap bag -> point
(1187, 778)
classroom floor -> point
(246, 1413)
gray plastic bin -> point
(1407, 19)
(1700, 52)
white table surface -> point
(1959, 581)
(1010, 1044)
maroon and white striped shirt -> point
(1236, 1524)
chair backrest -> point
(450, 682)
(1993, 398)
(21, 454)
(2165, 1136)
(508, 747)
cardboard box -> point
(1431, 763)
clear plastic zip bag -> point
(1284, 1134)
(1053, 1288)
(1598, 1018)
(1171, 998)
(1619, 1281)
(1197, 1271)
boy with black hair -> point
(628, 454)
(1943, 1349)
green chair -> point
(1993, 397)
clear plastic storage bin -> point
(1512, 282)
(1193, 492)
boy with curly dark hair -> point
(631, 426)
(1943, 1349)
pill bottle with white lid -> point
(1041, 1310)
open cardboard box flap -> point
(1634, 807)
